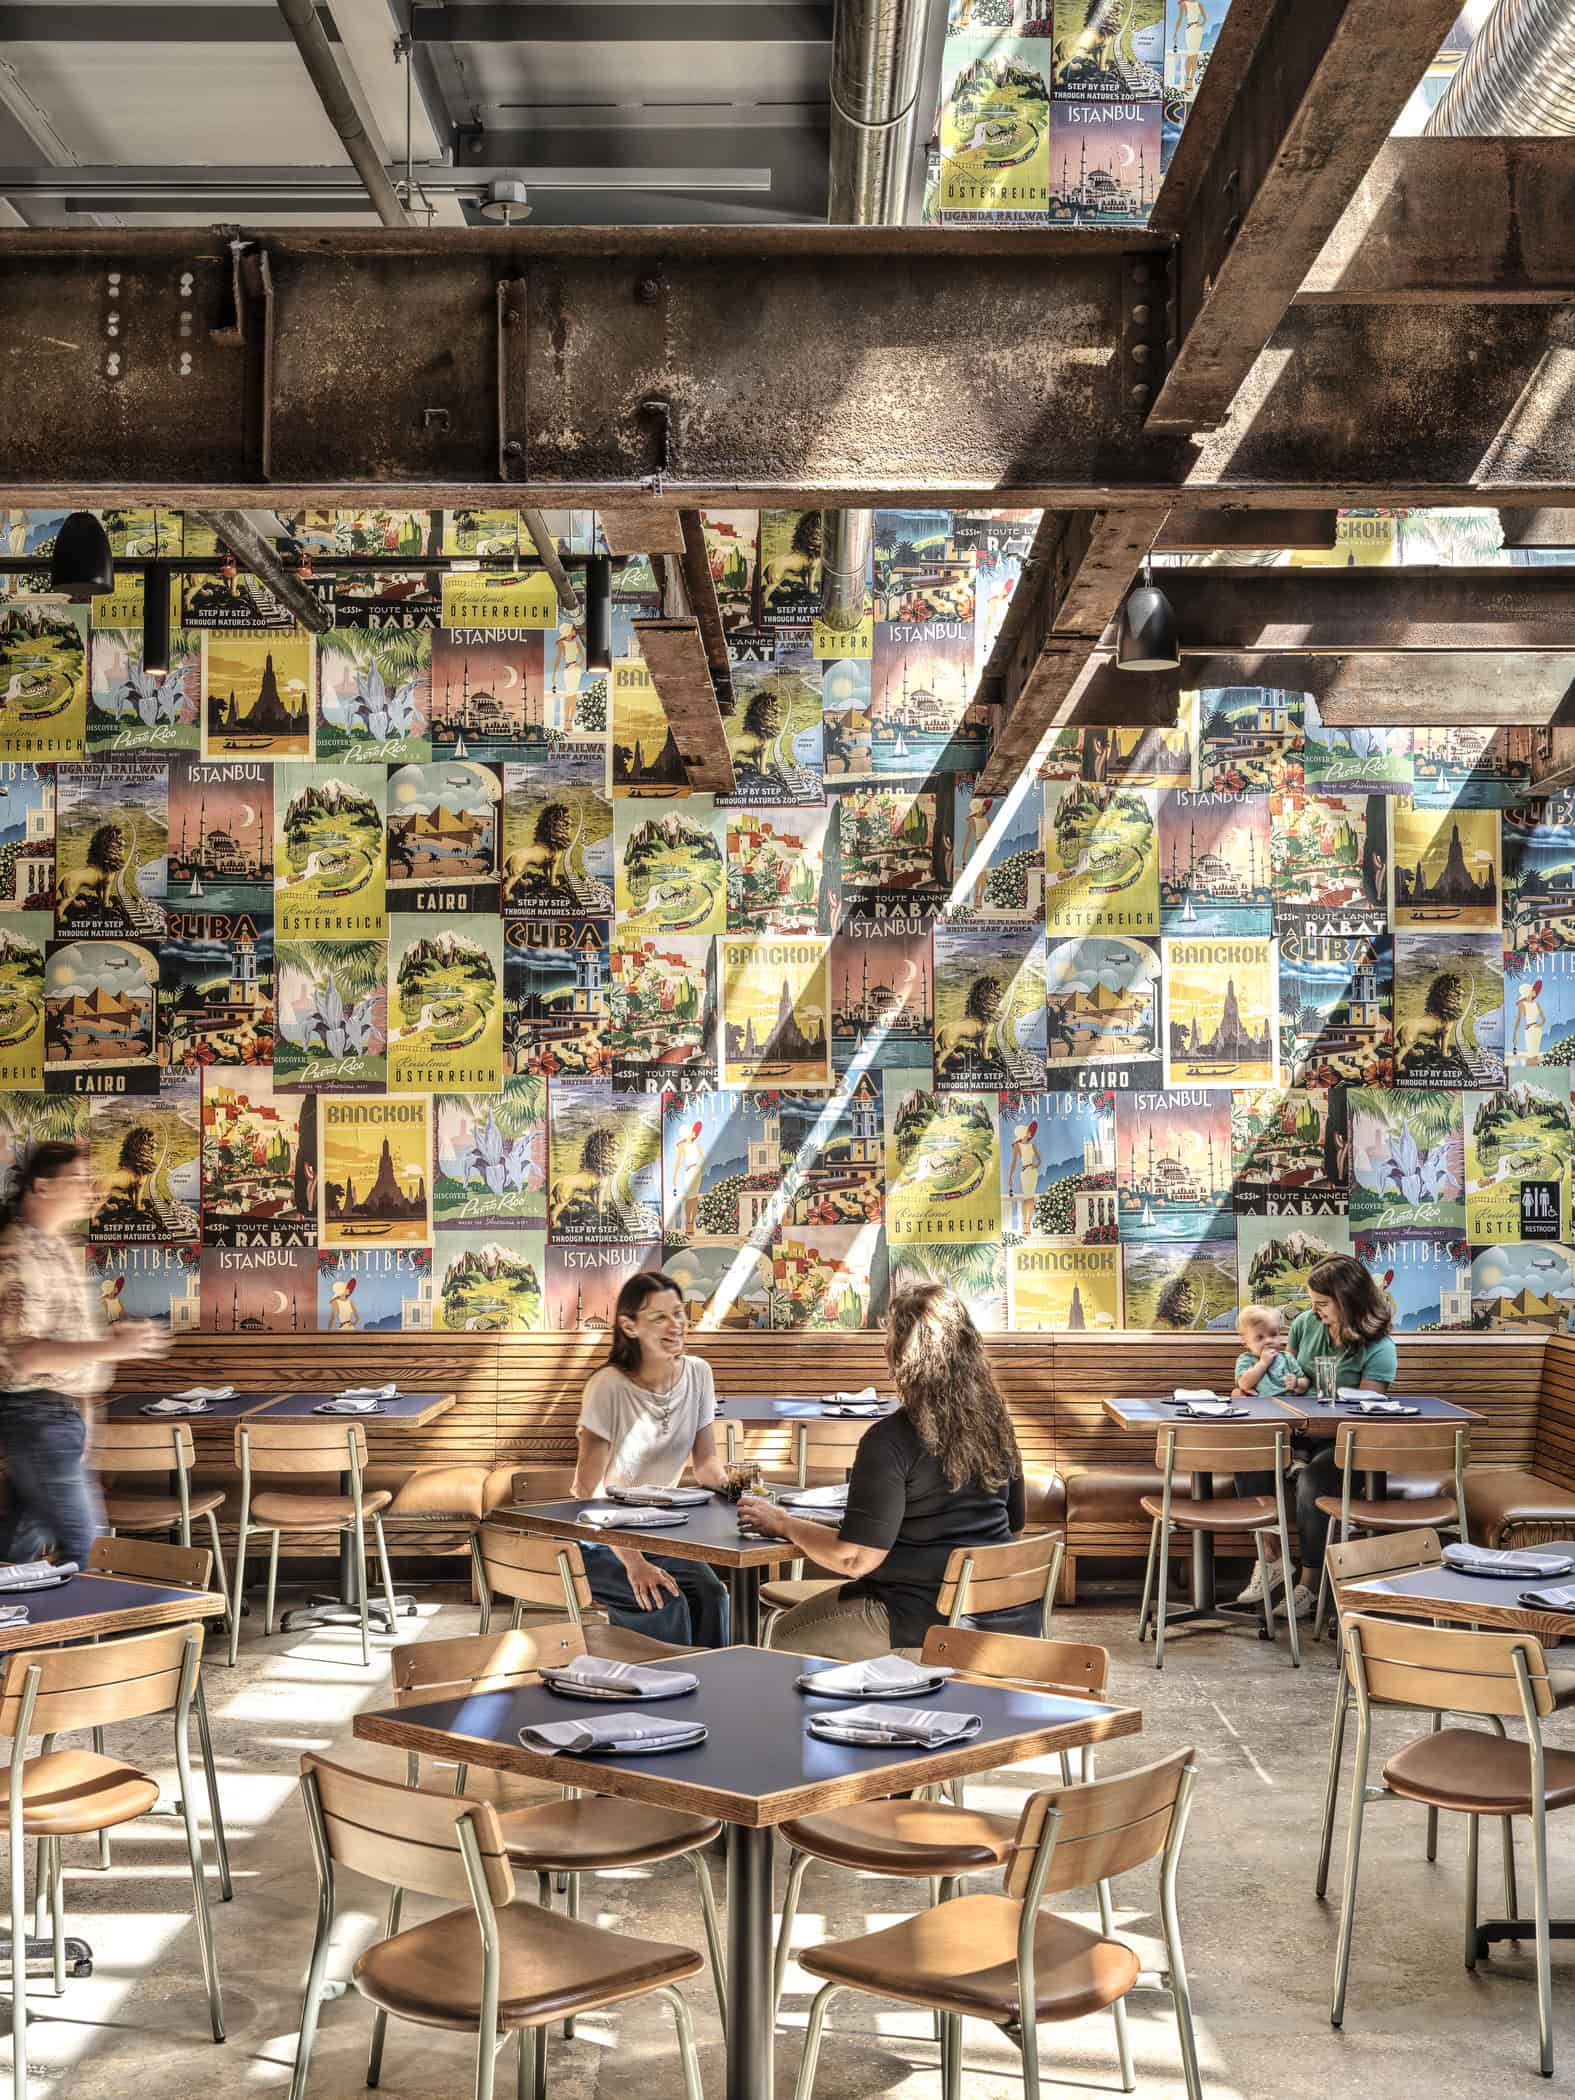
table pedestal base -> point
(41, 1957)
(743, 1589)
(1522, 1929)
(332, 1611)
(751, 2015)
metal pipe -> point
(333, 91)
(254, 551)
(1517, 80)
(876, 59)
(535, 524)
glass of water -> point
(1326, 1375)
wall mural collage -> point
(397, 982)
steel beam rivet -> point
(1140, 393)
(512, 317)
(1140, 315)
(648, 291)
(514, 449)
(1140, 353)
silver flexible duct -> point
(1517, 80)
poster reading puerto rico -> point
(492, 1156)
(445, 1002)
(374, 694)
(776, 1012)
(375, 1171)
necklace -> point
(664, 1399)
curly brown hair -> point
(948, 1389)
(1364, 1317)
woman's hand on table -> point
(763, 1516)
(648, 1582)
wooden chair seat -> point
(1238, 1513)
(1427, 1511)
(592, 1834)
(784, 1595)
(551, 1968)
(906, 1837)
(1475, 1773)
(284, 1511)
(961, 1957)
(158, 1512)
(621, 1643)
(69, 1793)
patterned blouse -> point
(45, 1296)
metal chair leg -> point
(374, 2054)
(19, 1978)
(1353, 1858)
(57, 1915)
(1539, 1861)
(386, 1573)
(215, 1811)
(1267, 1586)
(1331, 1792)
(1290, 1600)
(237, 1591)
(1119, 2009)
(1432, 1814)
(713, 1933)
(952, 2066)
(103, 1836)
(485, 1594)
(688, 2057)
(1473, 1843)
(1323, 1603)
(273, 1582)
(199, 1886)
(798, 1866)
(1148, 1580)
(40, 1879)
(218, 1564)
(810, 2060)
(1164, 1596)
(360, 1564)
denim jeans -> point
(1319, 1476)
(54, 1498)
(695, 1618)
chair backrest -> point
(830, 1446)
(1103, 1829)
(1445, 1668)
(300, 1447)
(402, 1836)
(94, 1686)
(1381, 1442)
(143, 1447)
(150, 1560)
(480, 1662)
(1385, 1553)
(1018, 1658)
(546, 1573)
(993, 1578)
(1222, 1447)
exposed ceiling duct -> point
(1517, 79)
(248, 537)
(339, 106)
(877, 55)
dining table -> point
(757, 1767)
(1442, 1595)
(810, 1407)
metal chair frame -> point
(1348, 1442)
(1162, 1530)
(181, 1461)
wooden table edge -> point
(1111, 1403)
(752, 1811)
(440, 1406)
(122, 1618)
(1551, 1627)
(753, 1553)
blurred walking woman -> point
(54, 1357)
(943, 1471)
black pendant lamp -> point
(598, 613)
(82, 565)
(1146, 631)
(156, 620)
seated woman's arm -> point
(705, 1461)
(590, 1464)
(876, 1506)
(817, 1542)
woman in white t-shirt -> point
(646, 1414)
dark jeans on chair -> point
(54, 1499)
(1318, 1476)
(695, 1618)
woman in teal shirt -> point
(1346, 1316)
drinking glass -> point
(1326, 1374)
(744, 1477)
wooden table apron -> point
(757, 1769)
(710, 1533)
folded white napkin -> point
(924, 1728)
(1549, 1600)
(1359, 1392)
(832, 1496)
(1379, 1406)
(206, 1392)
(1209, 1407)
(881, 1676)
(629, 1518)
(661, 1498)
(35, 1574)
(1522, 1561)
(865, 1402)
(13, 1615)
(368, 1392)
(1194, 1393)
(606, 1734)
(599, 1677)
(175, 1406)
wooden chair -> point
(307, 1447)
(1500, 1676)
(822, 1452)
(52, 1692)
(581, 1833)
(995, 1958)
(158, 1447)
(173, 1568)
(983, 1579)
(1374, 1447)
(915, 1839)
(547, 1576)
(494, 1967)
(1247, 1447)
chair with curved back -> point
(1245, 1447)
(1376, 1446)
(822, 1453)
(547, 1576)
(493, 1966)
(158, 1447)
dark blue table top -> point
(88, 1604)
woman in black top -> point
(941, 1472)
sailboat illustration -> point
(461, 749)
(1148, 1212)
(900, 748)
(196, 889)
(1188, 914)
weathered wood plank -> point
(675, 657)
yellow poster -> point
(1057, 1285)
(486, 598)
(375, 1179)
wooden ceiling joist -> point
(641, 528)
(1246, 531)
(675, 656)
(1355, 611)
(1415, 688)
(1315, 101)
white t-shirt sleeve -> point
(705, 1410)
(598, 1405)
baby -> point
(1265, 1365)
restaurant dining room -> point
(787, 1277)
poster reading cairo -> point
(776, 1012)
(374, 1175)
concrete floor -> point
(1259, 1946)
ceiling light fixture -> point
(82, 565)
(156, 620)
(1146, 631)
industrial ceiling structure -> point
(1317, 315)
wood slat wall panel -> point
(1555, 1446)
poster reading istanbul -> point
(257, 695)
(43, 680)
(258, 1290)
(373, 1175)
(1219, 1013)
(220, 837)
(1068, 1288)
(776, 1012)
(24, 941)
(329, 855)
(445, 1002)
(100, 1018)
